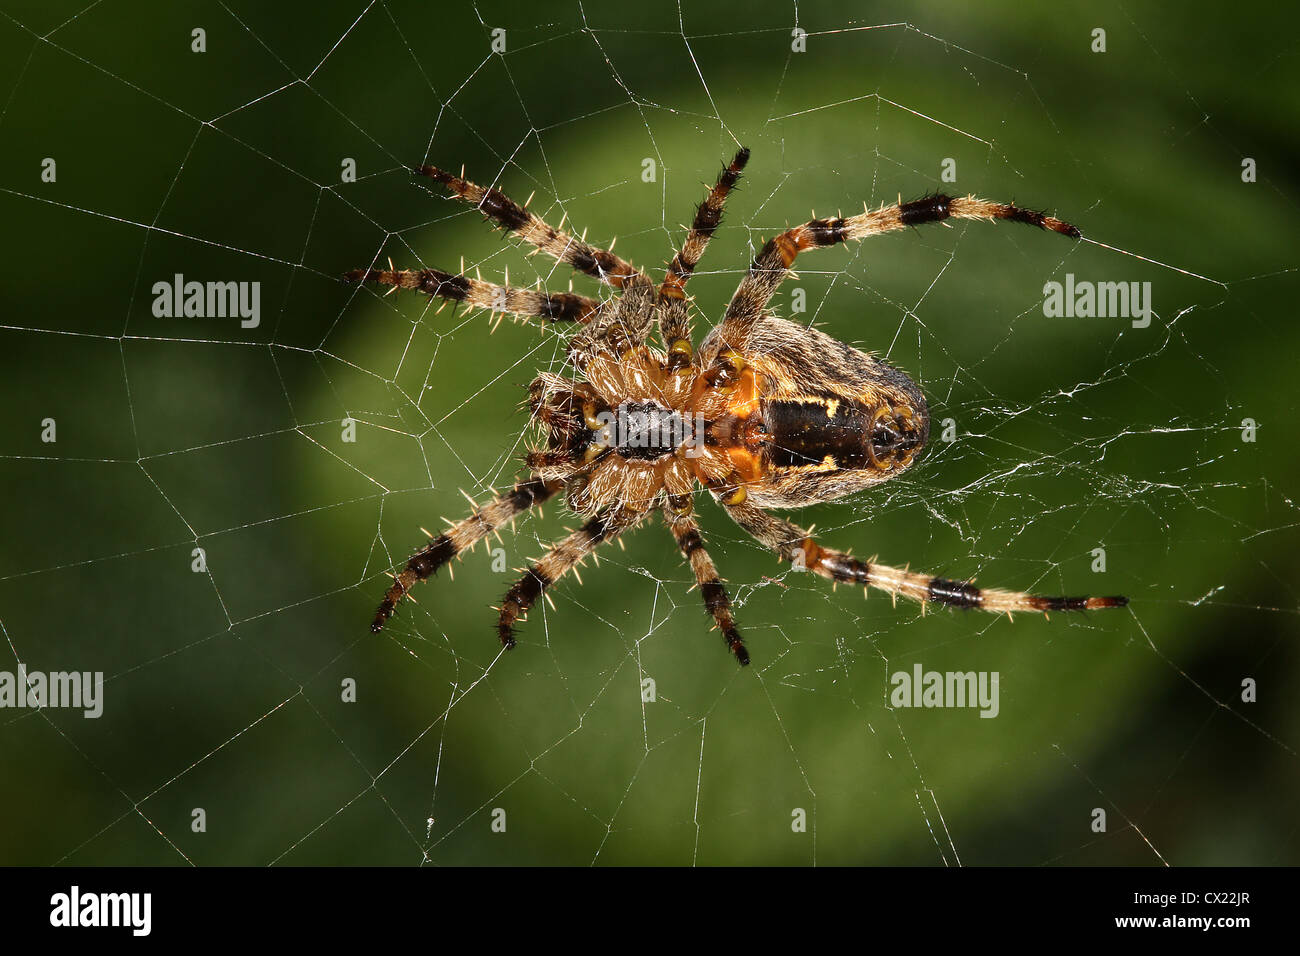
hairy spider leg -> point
(461, 536)
(772, 264)
(674, 318)
(687, 532)
(558, 561)
(500, 209)
(552, 306)
(794, 544)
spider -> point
(765, 414)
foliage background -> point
(223, 689)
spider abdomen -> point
(849, 434)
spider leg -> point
(687, 532)
(505, 212)
(674, 322)
(794, 544)
(556, 562)
(772, 264)
(552, 306)
(553, 464)
(461, 536)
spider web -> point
(224, 688)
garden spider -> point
(765, 414)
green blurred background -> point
(223, 688)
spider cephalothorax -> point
(765, 414)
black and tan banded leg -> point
(687, 532)
(460, 537)
(674, 321)
(772, 264)
(551, 306)
(560, 464)
(561, 246)
(557, 562)
(794, 544)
